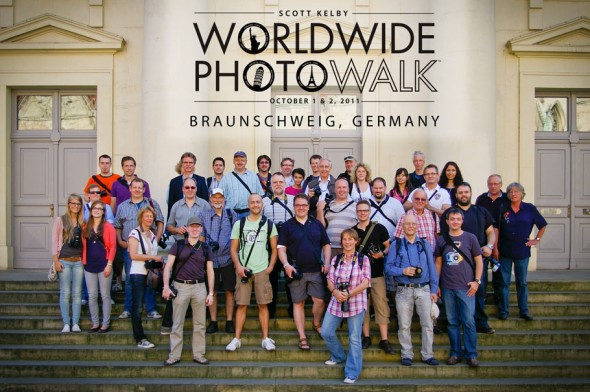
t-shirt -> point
(515, 228)
(191, 260)
(151, 248)
(304, 243)
(338, 218)
(259, 258)
(378, 236)
(457, 272)
(108, 181)
(475, 220)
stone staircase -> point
(550, 353)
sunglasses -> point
(94, 193)
(190, 187)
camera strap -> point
(99, 182)
(378, 209)
(242, 181)
(369, 231)
(284, 205)
(263, 220)
(450, 243)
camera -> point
(417, 272)
(248, 276)
(174, 292)
(494, 264)
(373, 248)
(76, 240)
(162, 243)
(297, 275)
(214, 246)
(103, 193)
(329, 197)
(343, 286)
(153, 264)
(279, 226)
(317, 191)
(268, 193)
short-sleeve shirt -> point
(436, 197)
(278, 210)
(387, 212)
(457, 272)
(349, 272)
(126, 217)
(493, 206)
(378, 236)
(304, 243)
(428, 226)
(259, 258)
(338, 218)
(475, 220)
(151, 248)
(108, 181)
(181, 212)
(191, 262)
(121, 191)
(515, 228)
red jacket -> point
(110, 242)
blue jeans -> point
(460, 312)
(70, 286)
(354, 361)
(150, 295)
(522, 290)
(481, 318)
(138, 286)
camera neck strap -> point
(366, 239)
(284, 205)
(242, 182)
(450, 243)
(262, 223)
(99, 182)
(419, 248)
(354, 259)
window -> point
(562, 111)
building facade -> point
(496, 86)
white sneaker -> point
(154, 315)
(145, 344)
(233, 345)
(329, 362)
(349, 380)
(76, 328)
(84, 302)
(268, 344)
(125, 315)
(66, 328)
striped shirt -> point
(428, 225)
(354, 275)
(338, 218)
(276, 212)
(218, 228)
(236, 194)
(126, 217)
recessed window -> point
(35, 112)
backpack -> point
(263, 220)
(340, 256)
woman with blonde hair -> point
(67, 261)
(100, 246)
(361, 182)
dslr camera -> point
(373, 248)
(343, 286)
(76, 240)
(248, 274)
(103, 193)
(162, 243)
(317, 191)
(214, 246)
(418, 272)
(494, 264)
(297, 275)
(153, 264)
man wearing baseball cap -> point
(349, 163)
(217, 226)
(189, 264)
(239, 185)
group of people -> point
(331, 237)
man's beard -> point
(464, 204)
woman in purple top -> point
(513, 227)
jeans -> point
(460, 312)
(150, 295)
(70, 286)
(138, 287)
(481, 318)
(522, 290)
(193, 295)
(93, 282)
(354, 361)
(405, 299)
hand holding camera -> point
(343, 287)
(248, 275)
(295, 275)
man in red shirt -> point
(104, 179)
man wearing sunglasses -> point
(93, 194)
(190, 205)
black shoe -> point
(527, 317)
(503, 317)
(386, 346)
(487, 329)
(366, 342)
(437, 330)
(212, 328)
(229, 327)
(473, 362)
(453, 360)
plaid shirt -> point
(218, 228)
(428, 225)
(349, 272)
(126, 218)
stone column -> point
(169, 55)
(466, 102)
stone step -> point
(319, 353)
(38, 384)
(284, 324)
(53, 309)
(288, 338)
(274, 368)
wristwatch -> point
(491, 246)
(478, 281)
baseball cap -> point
(216, 191)
(349, 158)
(194, 220)
(240, 154)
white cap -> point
(434, 312)
(215, 191)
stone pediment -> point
(52, 32)
(321, 36)
(572, 37)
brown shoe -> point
(473, 362)
(453, 360)
(201, 360)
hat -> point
(240, 154)
(349, 158)
(194, 220)
(216, 191)
(434, 312)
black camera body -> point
(153, 264)
(343, 286)
(329, 197)
(417, 272)
(317, 191)
(103, 193)
(248, 274)
(174, 292)
(214, 246)
(297, 274)
(162, 243)
(76, 240)
(279, 226)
